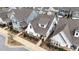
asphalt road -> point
(3, 47)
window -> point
(42, 25)
(76, 33)
(55, 24)
(30, 26)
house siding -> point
(52, 27)
(58, 39)
(66, 38)
(31, 30)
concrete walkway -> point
(27, 44)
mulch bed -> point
(29, 38)
(13, 42)
(46, 45)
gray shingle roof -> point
(60, 26)
(73, 24)
(41, 30)
(4, 16)
(22, 13)
(44, 19)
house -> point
(4, 19)
(21, 17)
(61, 35)
(42, 26)
(66, 33)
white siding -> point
(59, 39)
(66, 39)
(31, 30)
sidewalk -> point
(27, 44)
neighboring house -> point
(21, 17)
(4, 11)
(42, 26)
(66, 33)
(61, 39)
(4, 19)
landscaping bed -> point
(29, 38)
(12, 31)
(46, 45)
(12, 42)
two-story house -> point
(4, 13)
(67, 33)
(21, 17)
(42, 26)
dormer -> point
(42, 25)
(43, 21)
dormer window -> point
(44, 21)
(41, 25)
